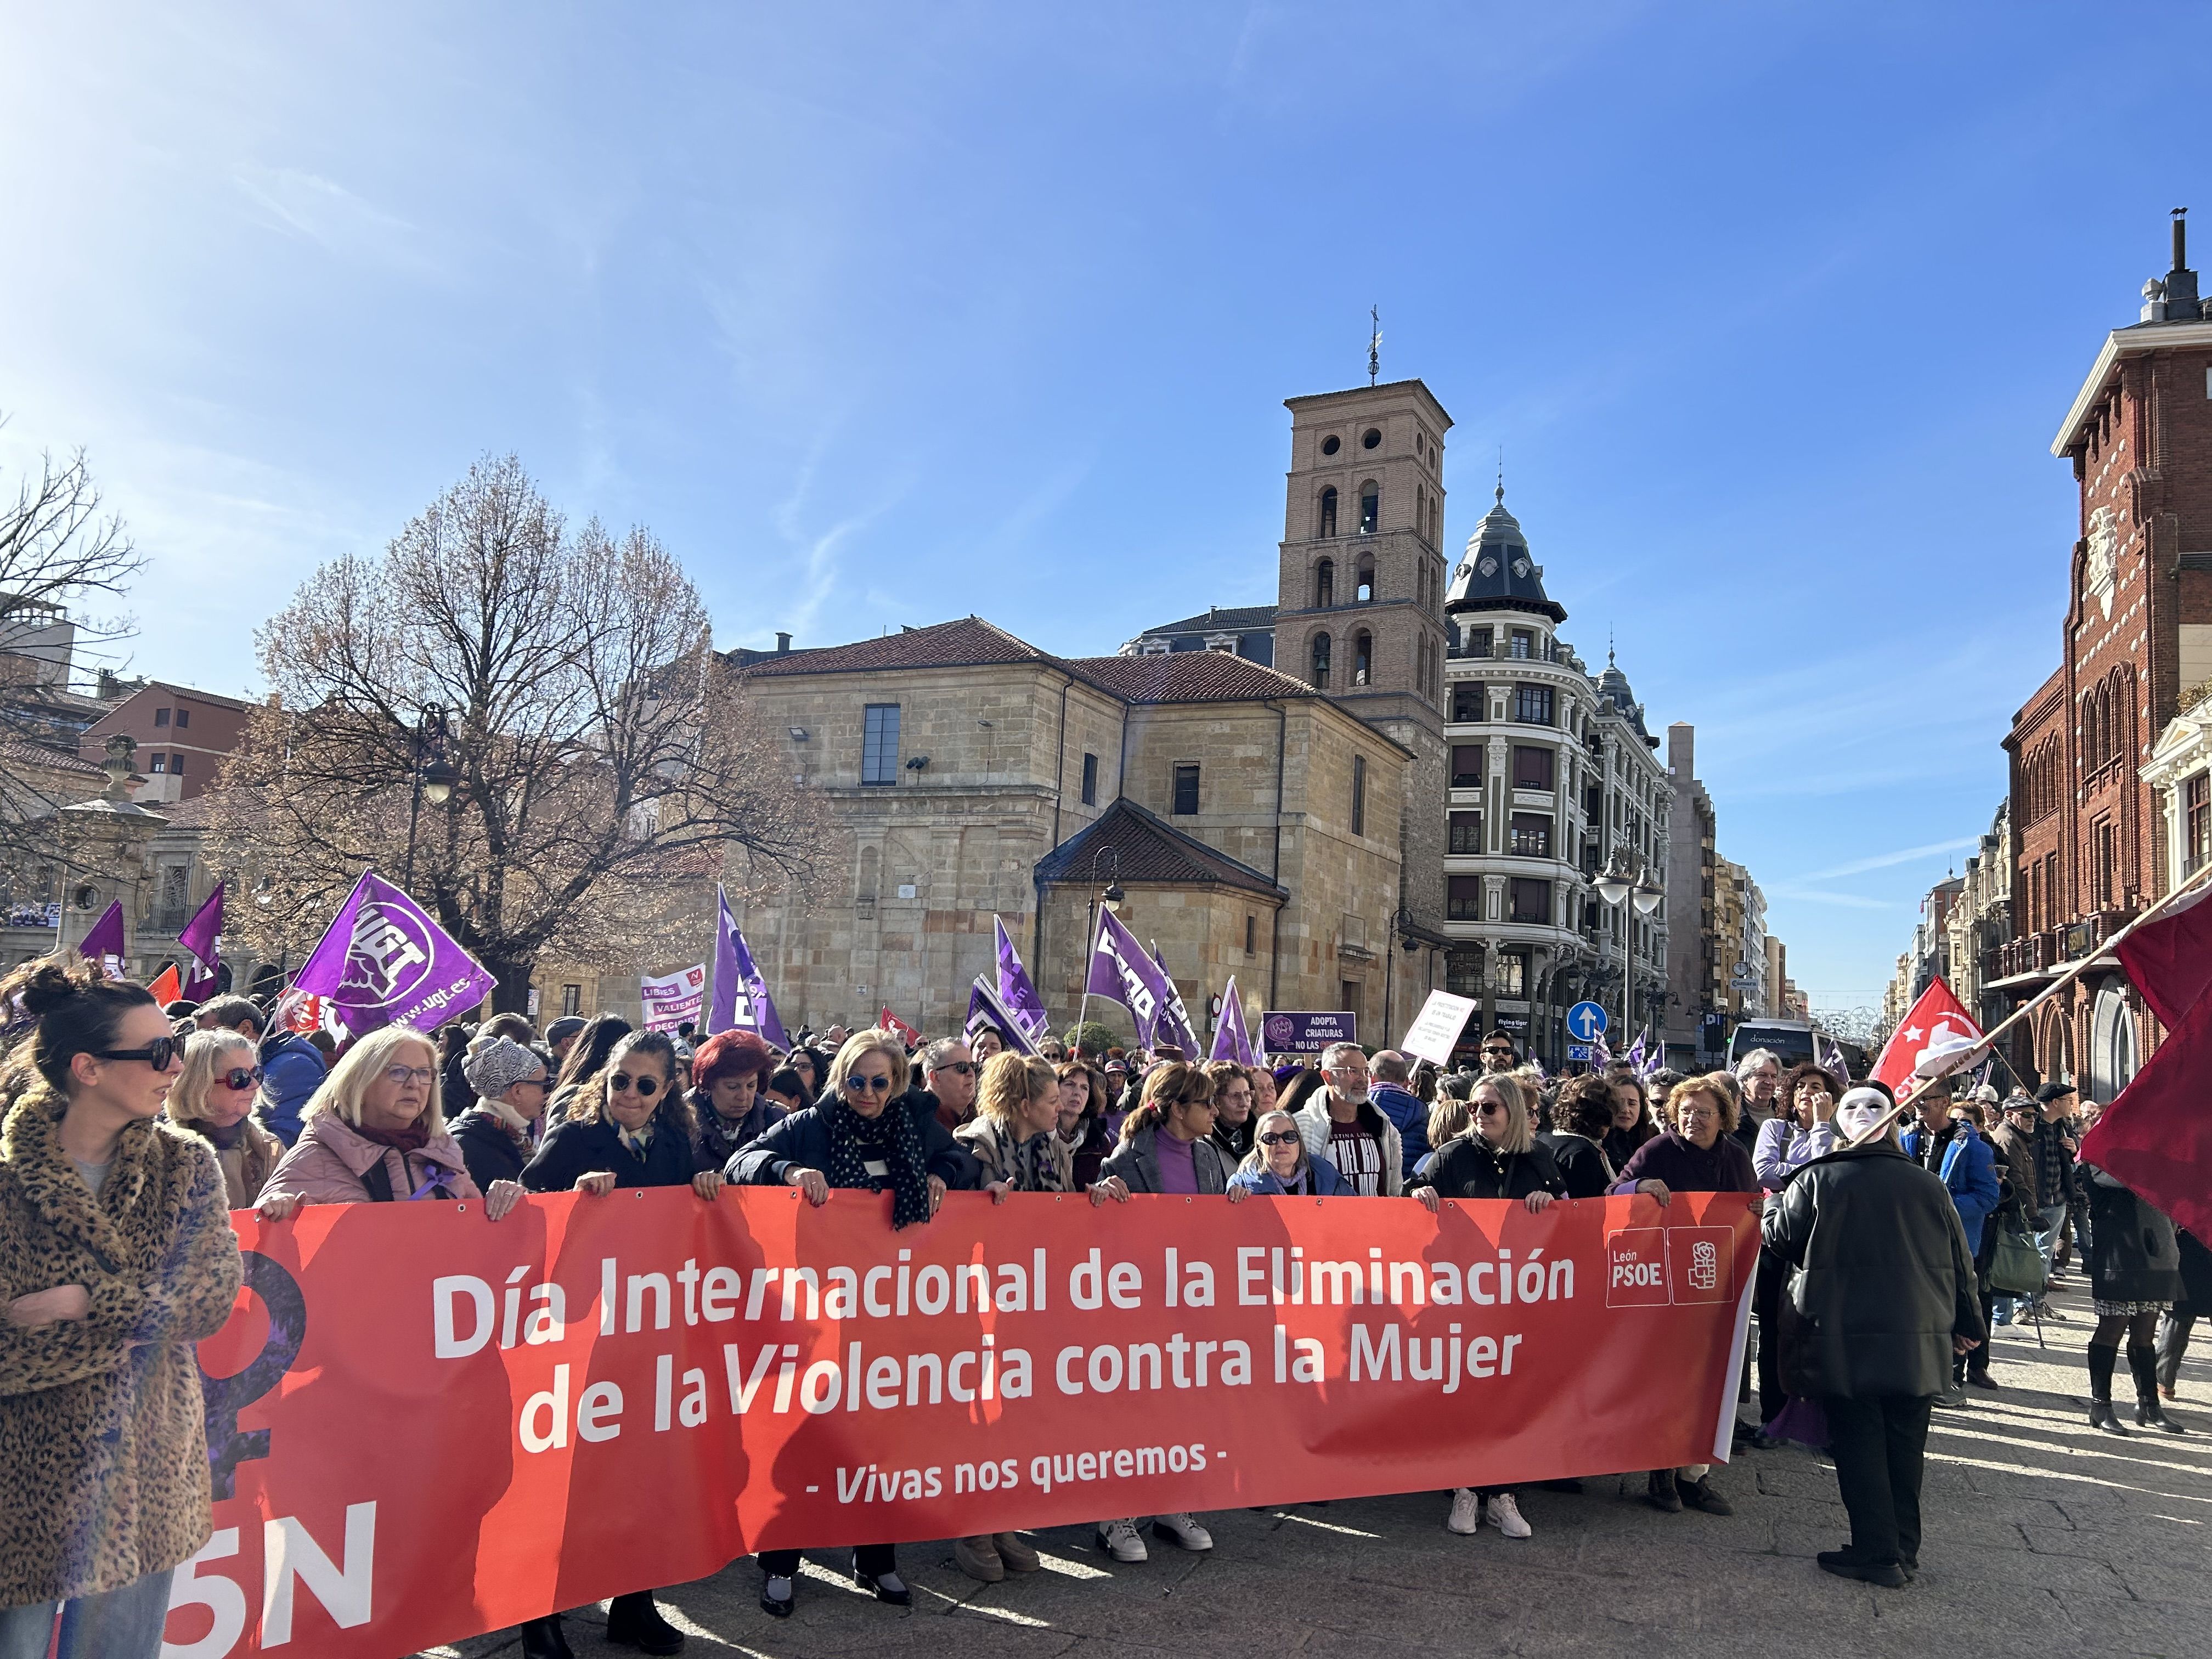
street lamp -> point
(1614, 885)
(435, 778)
(1108, 898)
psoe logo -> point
(1701, 1262)
(1636, 1267)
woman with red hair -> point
(727, 1071)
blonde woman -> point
(1017, 1109)
(374, 1135)
(213, 1096)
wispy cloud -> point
(330, 216)
(1884, 861)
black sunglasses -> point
(240, 1078)
(621, 1082)
(158, 1053)
(1281, 1138)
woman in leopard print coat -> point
(116, 1255)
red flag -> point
(1937, 1018)
(904, 1032)
(2157, 1136)
(165, 988)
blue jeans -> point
(116, 1623)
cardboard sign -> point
(1435, 1030)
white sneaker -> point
(1465, 1516)
(1181, 1529)
(1119, 1540)
(1505, 1516)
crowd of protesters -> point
(1873, 1296)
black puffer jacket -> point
(1880, 1277)
(1467, 1168)
(2133, 1253)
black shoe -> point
(775, 1606)
(1698, 1494)
(1660, 1492)
(895, 1592)
(1844, 1564)
(1982, 1380)
(1765, 1442)
(2101, 1417)
(2149, 1414)
(543, 1639)
(634, 1622)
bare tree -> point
(604, 767)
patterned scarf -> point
(1035, 1169)
(889, 1137)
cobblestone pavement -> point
(2042, 1537)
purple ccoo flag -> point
(741, 997)
(1016, 992)
(1175, 1019)
(106, 944)
(1230, 1040)
(1121, 972)
(384, 962)
(200, 941)
(986, 1010)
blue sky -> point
(880, 315)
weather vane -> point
(1374, 344)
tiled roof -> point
(1187, 677)
(968, 642)
(1237, 618)
(1151, 851)
(24, 752)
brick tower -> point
(1361, 608)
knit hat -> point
(498, 1065)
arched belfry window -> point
(1320, 674)
(1362, 657)
(1325, 584)
(1371, 506)
(1365, 593)
(1327, 520)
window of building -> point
(1524, 644)
(1185, 792)
(176, 766)
(1532, 704)
(1479, 642)
(1364, 595)
(1370, 507)
(879, 744)
(1325, 584)
(1362, 657)
(1328, 527)
(1512, 976)
(1463, 899)
(2198, 823)
(1370, 438)
(2105, 863)
(159, 766)
(1463, 973)
(183, 718)
(1320, 674)
(1090, 779)
(571, 1001)
(1531, 835)
(1466, 833)
(1532, 767)
(1467, 701)
(1532, 900)
(1466, 766)
(1358, 795)
(1251, 934)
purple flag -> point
(985, 1009)
(1120, 971)
(1015, 990)
(1175, 1019)
(1230, 1040)
(1636, 1054)
(106, 943)
(384, 962)
(199, 939)
(741, 997)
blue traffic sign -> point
(1586, 1021)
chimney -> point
(783, 643)
(2182, 304)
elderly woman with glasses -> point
(213, 1096)
(498, 1135)
(376, 1133)
(851, 1143)
(1279, 1166)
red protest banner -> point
(425, 1425)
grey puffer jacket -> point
(1880, 1278)
(1137, 1161)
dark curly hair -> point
(1584, 1106)
(72, 1008)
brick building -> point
(183, 737)
(2089, 848)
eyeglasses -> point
(964, 1068)
(877, 1084)
(1281, 1138)
(1489, 1108)
(159, 1054)
(400, 1076)
(621, 1082)
(1507, 1052)
(239, 1078)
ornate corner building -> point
(2091, 844)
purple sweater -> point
(1725, 1169)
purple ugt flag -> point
(1120, 971)
(1230, 1040)
(199, 939)
(986, 1010)
(105, 943)
(384, 962)
(1015, 989)
(741, 999)
(1175, 1019)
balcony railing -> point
(168, 918)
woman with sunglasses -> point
(376, 1133)
(851, 1143)
(588, 1058)
(1278, 1165)
(498, 1135)
(213, 1096)
(116, 1256)
(629, 1126)
(1498, 1157)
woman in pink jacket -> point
(373, 1134)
